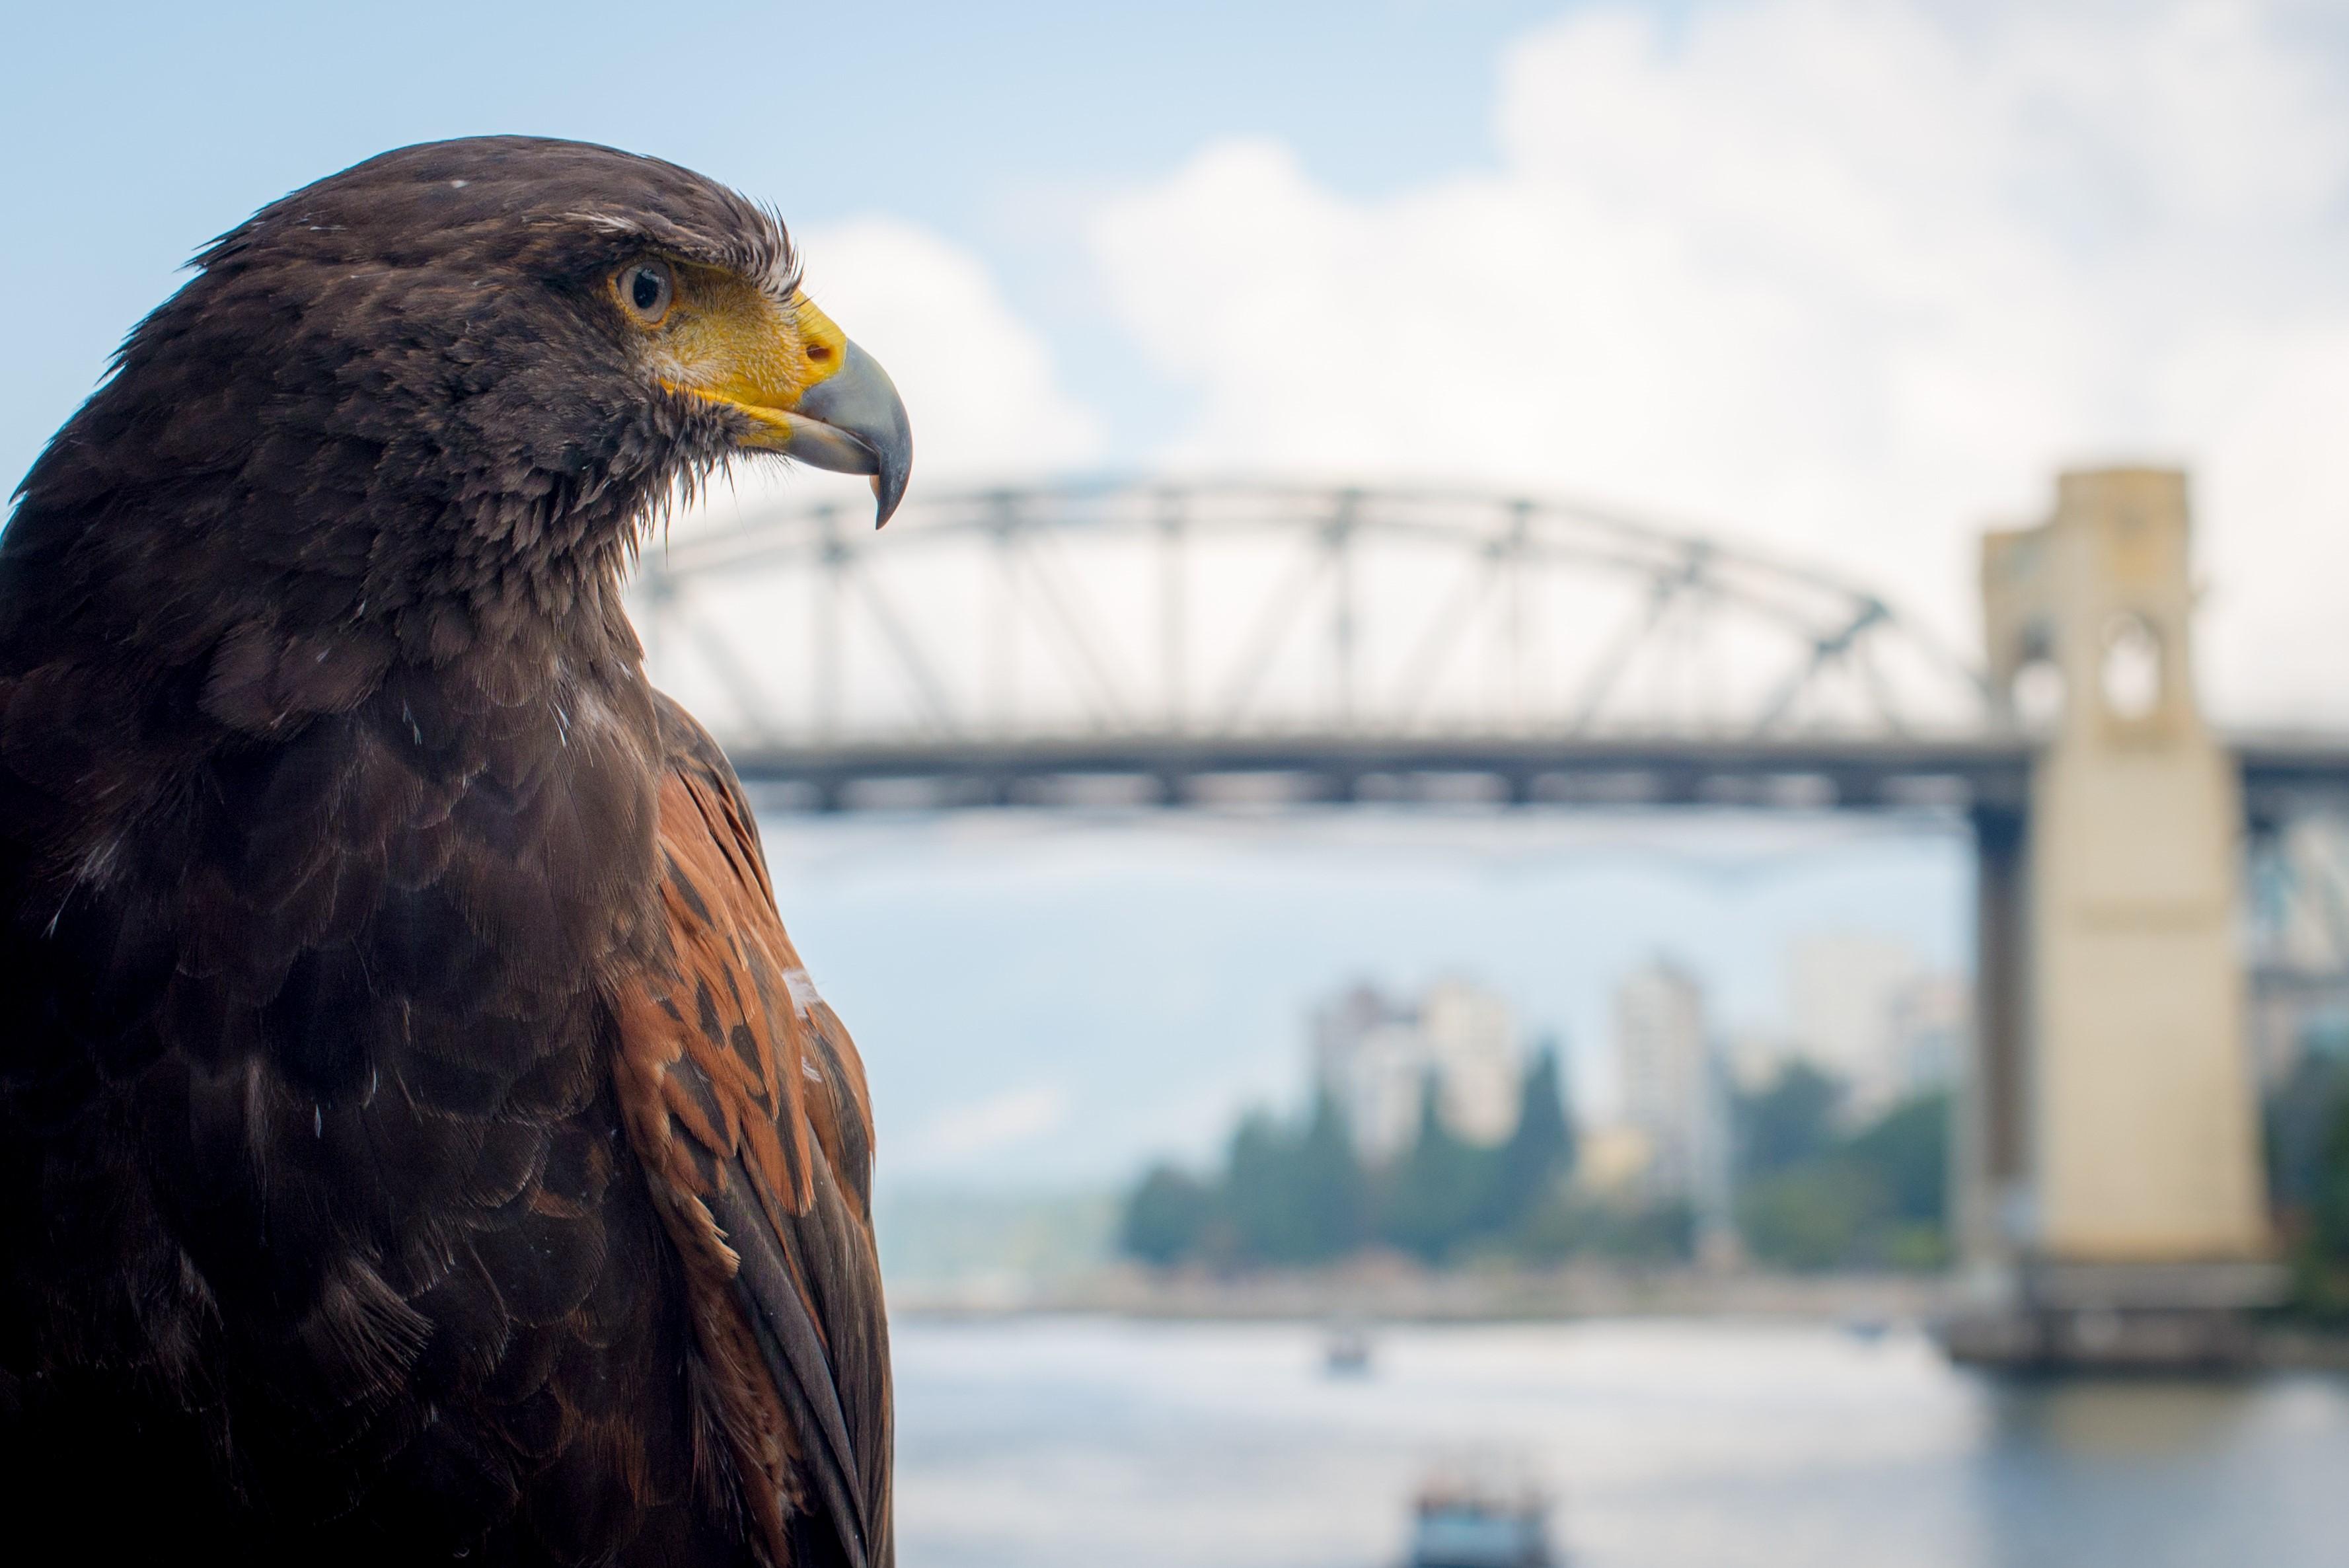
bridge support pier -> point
(1994, 1163)
(2112, 1205)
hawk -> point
(418, 1138)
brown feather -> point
(719, 1087)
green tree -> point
(1812, 1215)
(1877, 1198)
(1436, 1193)
(1166, 1217)
(1908, 1150)
(1262, 1194)
(2299, 1117)
(1293, 1192)
(1332, 1196)
(1788, 1123)
(1566, 1223)
(2330, 1212)
(2307, 1143)
(1540, 1150)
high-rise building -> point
(1366, 1057)
(1376, 1055)
(1675, 1091)
(1868, 1010)
(1932, 1020)
(1471, 1045)
(1846, 988)
(1755, 1056)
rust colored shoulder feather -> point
(745, 1099)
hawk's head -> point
(460, 371)
(612, 290)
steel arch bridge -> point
(1182, 642)
(1250, 643)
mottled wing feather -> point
(744, 1099)
(314, 1217)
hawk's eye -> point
(646, 289)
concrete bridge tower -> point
(2110, 1182)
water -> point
(1038, 1442)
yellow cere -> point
(726, 339)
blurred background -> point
(1468, 897)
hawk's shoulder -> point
(746, 1102)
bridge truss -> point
(994, 641)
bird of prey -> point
(418, 1140)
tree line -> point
(1296, 1193)
(2307, 1143)
(1815, 1190)
(1811, 1191)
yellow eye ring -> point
(645, 289)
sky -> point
(1845, 280)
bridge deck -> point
(1793, 772)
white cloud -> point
(1854, 278)
(979, 380)
(984, 1127)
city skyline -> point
(1377, 1055)
(1868, 1010)
(1227, 944)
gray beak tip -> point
(885, 506)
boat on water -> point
(1867, 1327)
(1457, 1527)
(1346, 1351)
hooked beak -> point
(853, 422)
(803, 388)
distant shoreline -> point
(1865, 1304)
(1395, 1293)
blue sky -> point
(1848, 279)
(1852, 278)
(139, 130)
